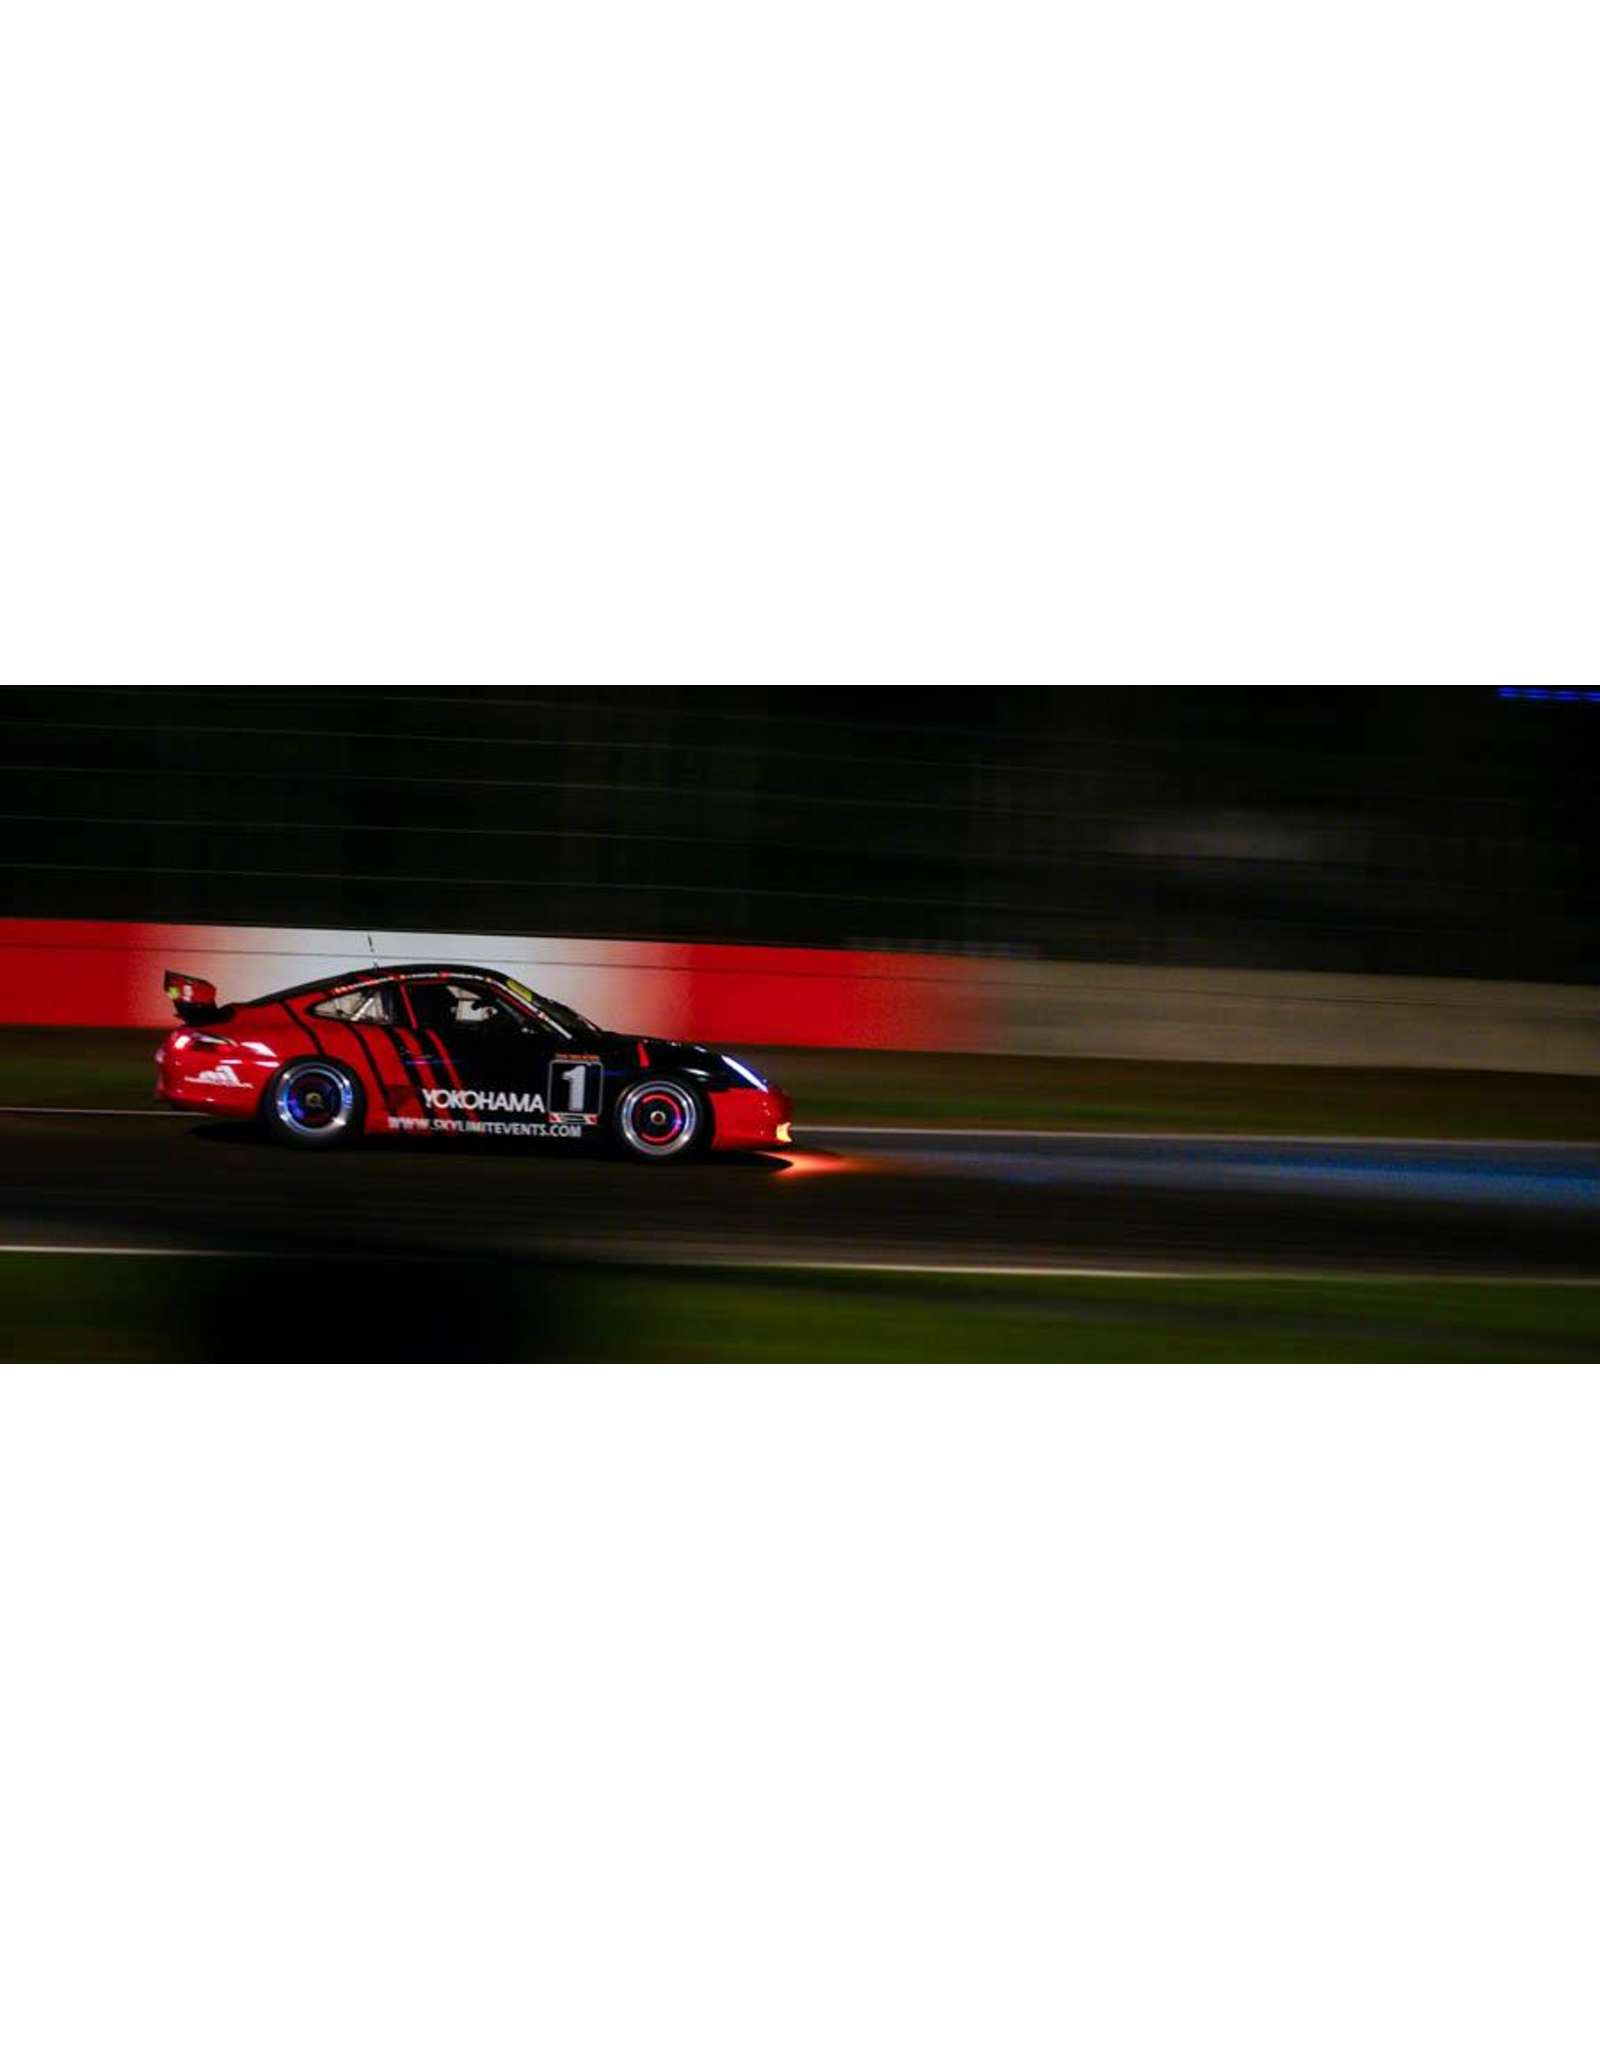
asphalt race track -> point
(164, 1181)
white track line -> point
(921, 1268)
(125, 1251)
(985, 1133)
(1008, 1272)
(757, 1262)
(36, 1109)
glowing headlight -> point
(739, 1067)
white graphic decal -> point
(474, 1098)
(219, 1077)
(492, 1130)
(578, 1081)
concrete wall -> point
(110, 974)
(1172, 1013)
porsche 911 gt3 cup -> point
(444, 1051)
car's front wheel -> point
(314, 1102)
(661, 1119)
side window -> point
(371, 1005)
(470, 1007)
(481, 1008)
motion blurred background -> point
(1374, 831)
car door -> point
(482, 1061)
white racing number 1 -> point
(572, 1082)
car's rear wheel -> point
(662, 1119)
(314, 1102)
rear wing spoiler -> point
(194, 999)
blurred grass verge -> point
(113, 1070)
(94, 1306)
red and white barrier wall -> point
(111, 974)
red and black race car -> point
(454, 1051)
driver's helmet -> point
(471, 1008)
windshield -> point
(570, 1020)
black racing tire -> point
(314, 1104)
(661, 1118)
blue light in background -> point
(1554, 696)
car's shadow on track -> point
(253, 1136)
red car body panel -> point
(751, 1120)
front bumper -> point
(750, 1119)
